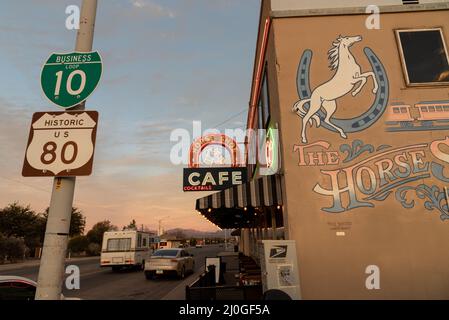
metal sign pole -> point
(51, 271)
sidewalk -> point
(36, 262)
(179, 292)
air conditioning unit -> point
(279, 266)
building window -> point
(260, 116)
(120, 244)
(266, 100)
(424, 56)
(264, 103)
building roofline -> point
(256, 50)
(358, 10)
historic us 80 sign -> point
(69, 79)
(61, 144)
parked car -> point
(198, 246)
(174, 261)
(19, 288)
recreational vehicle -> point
(122, 249)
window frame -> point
(402, 57)
(119, 240)
(263, 103)
(265, 96)
(139, 240)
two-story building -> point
(357, 93)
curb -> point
(179, 292)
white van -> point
(128, 248)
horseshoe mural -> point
(355, 124)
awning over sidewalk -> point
(238, 206)
(265, 191)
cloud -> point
(152, 8)
(114, 192)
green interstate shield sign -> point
(69, 79)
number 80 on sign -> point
(61, 144)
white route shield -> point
(61, 143)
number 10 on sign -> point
(69, 79)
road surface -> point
(102, 284)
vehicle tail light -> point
(173, 260)
(105, 261)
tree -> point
(2, 248)
(78, 244)
(93, 249)
(22, 222)
(15, 248)
(131, 226)
(77, 222)
(95, 235)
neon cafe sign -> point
(213, 178)
(270, 149)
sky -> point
(166, 63)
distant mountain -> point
(191, 233)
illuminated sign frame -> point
(213, 139)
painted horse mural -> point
(346, 78)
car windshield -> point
(166, 253)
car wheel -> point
(149, 275)
(182, 274)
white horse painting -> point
(345, 79)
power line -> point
(48, 192)
(25, 184)
(229, 119)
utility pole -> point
(51, 271)
(160, 231)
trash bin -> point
(211, 276)
(222, 272)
